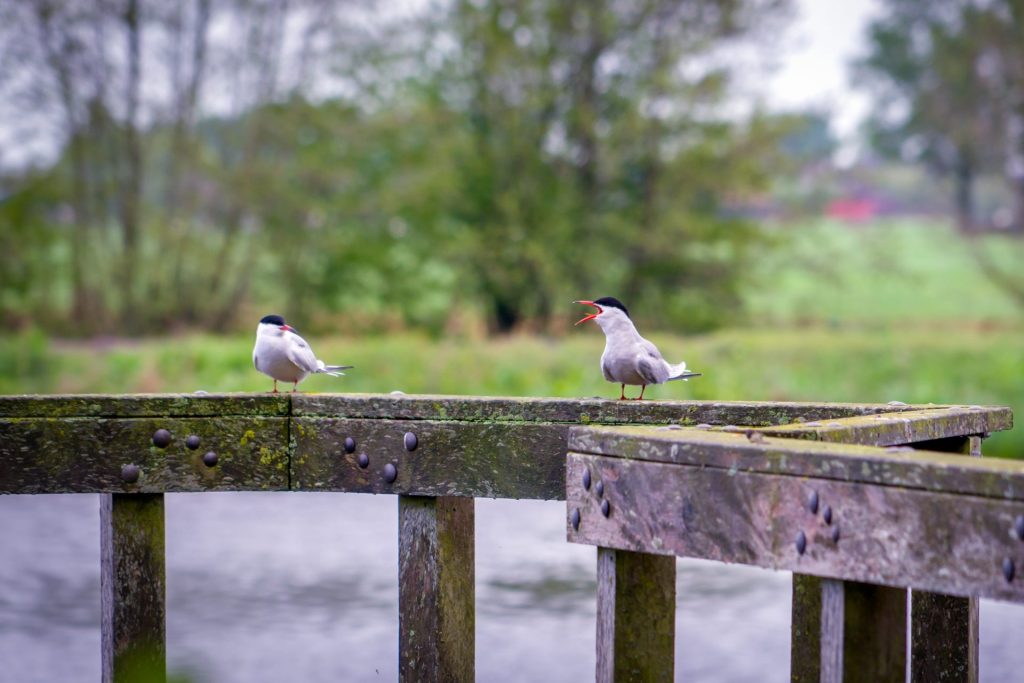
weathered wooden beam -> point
(133, 588)
(945, 628)
(89, 455)
(876, 534)
(907, 427)
(476, 459)
(636, 616)
(575, 410)
(436, 592)
(145, 405)
(736, 452)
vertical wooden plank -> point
(436, 591)
(874, 631)
(805, 633)
(133, 588)
(636, 616)
(833, 602)
(944, 629)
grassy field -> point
(974, 367)
(883, 312)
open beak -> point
(592, 315)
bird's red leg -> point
(275, 386)
(622, 393)
(641, 396)
(295, 385)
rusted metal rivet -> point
(161, 438)
(835, 534)
(599, 488)
(1008, 569)
(130, 474)
(812, 502)
(801, 543)
(826, 514)
(363, 460)
(192, 442)
(390, 472)
(575, 517)
(210, 459)
(350, 444)
(411, 442)
(1018, 526)
(586, 479)
(606, 508)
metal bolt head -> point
(411, 442)
(801, 543)
(835, 534)
(1018, 526)
(826, 514)
(161, 438)
(363, 460)
(210, 459)
(606, 508)
(575, 518)
(390, 473)
(812, 502)
(130, 474)
(192, 442)
(1008, 569)
(599, 488)
(350, 444)
(586, 479)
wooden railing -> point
(829, 491)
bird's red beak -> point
(592, 315)
(287, 328)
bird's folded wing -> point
(298, 352)
(652, 370)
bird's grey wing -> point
(298, 352)
(651, 369)
(651, 349)
(606, 370)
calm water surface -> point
(303, 587)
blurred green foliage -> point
(463, 163)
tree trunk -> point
(131, 179)
(963, 179)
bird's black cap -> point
(611, 302)
(272, 320)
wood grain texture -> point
(85, 455)
(888, 535)
(833, 601)
(636, 610)
(436, 589)
(475, 459)
(145, 405)
(875, 646)
(132, 588)
(945, 628)
(575, 410)
(894, 429)
(735, 452)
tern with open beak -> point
(628, 358)
(281, 354)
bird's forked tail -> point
(332, 370)
(680, 372)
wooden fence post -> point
(874, 631)
(436, 592)
(133, 588)
(636, 616)
(944, 628)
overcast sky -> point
(825, 36)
